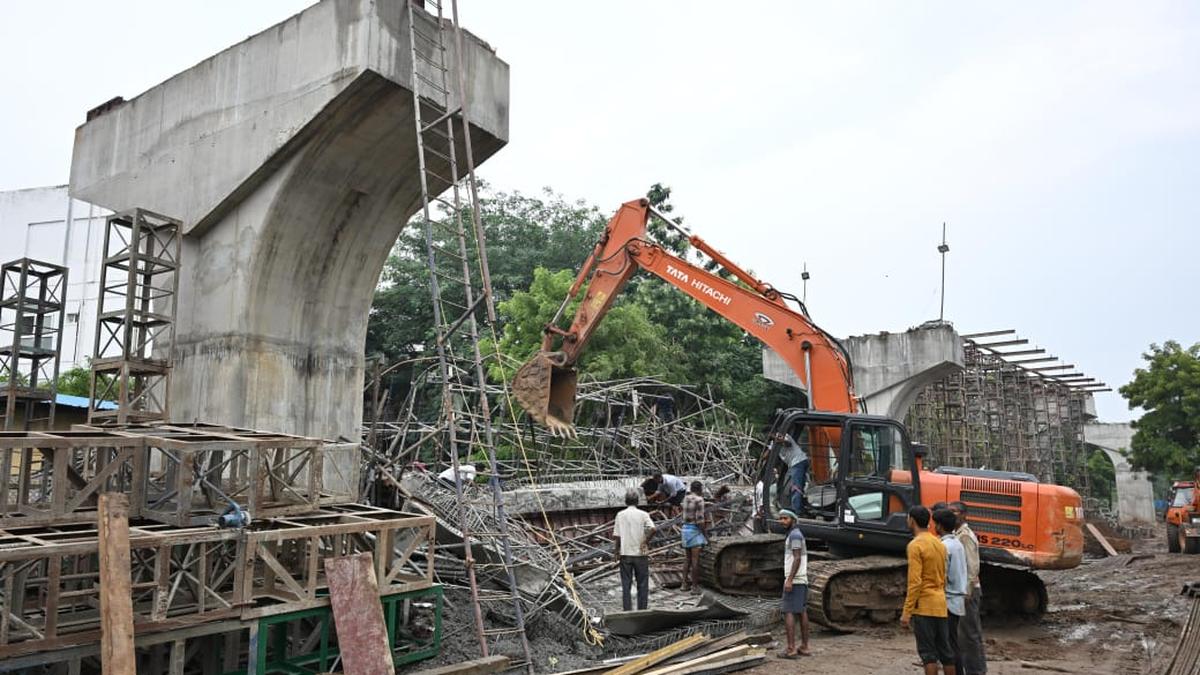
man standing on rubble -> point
(970, 629)
(631, 536)
(795, 586)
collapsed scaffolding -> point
(1010, 410)
(626, 427)
(562, 493)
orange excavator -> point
(865, 473)
(1183, 516)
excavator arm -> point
(545, 385)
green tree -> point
(522, 233)
(1102, 477)
(625, 344)
(1167, 436)
(76, 382)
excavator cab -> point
(861, 479)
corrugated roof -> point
(81, 402)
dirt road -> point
(1114, 615)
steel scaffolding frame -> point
(460, 292)
(1007, 413)
(50, 586)
(135, 317)
(33, 298)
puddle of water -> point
(1079, 632)
(1065, 608)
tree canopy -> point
(1167, 436)
(536, 245)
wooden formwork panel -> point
(56, 477)
(49, 576)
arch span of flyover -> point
(1135, 494)
(291, 160)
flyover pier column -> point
(890, 369)
(290, 160)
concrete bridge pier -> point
(891, 369)
(1135, 494)
(291, 160)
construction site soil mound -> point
(1094, 548)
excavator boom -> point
(545, 385)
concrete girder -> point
(890, 369)
(291, 160)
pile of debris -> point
(625, 428)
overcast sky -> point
(1059, 141)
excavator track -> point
(850, 593)
(749, 565)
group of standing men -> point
(633, 527)
(941, 605)
(942, 602)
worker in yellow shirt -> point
(925, 602)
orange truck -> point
(1183, 517)
(865, 470)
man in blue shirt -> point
(946, 522)
(796, 459)
(665, 488)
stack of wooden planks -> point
(694, 655)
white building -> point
(33, 224)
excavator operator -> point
(797, 462)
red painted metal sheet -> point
(358, 615)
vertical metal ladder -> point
(461, 289)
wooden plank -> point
(116, 598)
(741, 637)
(726, 666)
(1100, 538)
(658, 655)
(723, 655)
(358, 615)
(488, 664)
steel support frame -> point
(56, 477)
(1011, 419)
(33, 298)
(194, 473)
(182, 577)
(135, 319)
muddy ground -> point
(1112, 615)
(1108, 616)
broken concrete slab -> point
(640, 622)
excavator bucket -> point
(545, 388)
